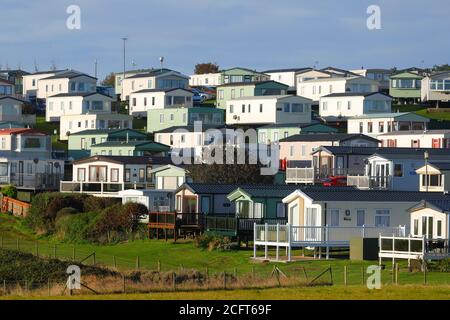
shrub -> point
(45, 206)
(97, 204)
(9, 191)
(130, 215)
(75, 227)
(214, 242)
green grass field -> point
(184, 254)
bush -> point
(130, 215)
(9, 191)
(97, 204)
(75, 227)
(45, 206)
(214, 242)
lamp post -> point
(426, 156)
(124, 39)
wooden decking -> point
(173, 224)
(15, 207)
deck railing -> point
(370, 182)
(173, 220)
(236, 226)
(409, 247)
(35, 181)
(300, 175)
(106, 188)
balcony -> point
(370, 182)
(39, 181)
(105, 189)
(300, 175)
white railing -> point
(289, 236)
(300, 175)
(409, 247)
(366, 182)
(104, 188)
(35, 181)
(319, 235)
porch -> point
(175, 223)
(413, 248)
(36, 181)
(370, 182)
(288, 237)
(105, 189)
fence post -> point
(114, 262)
(397, 270)
(174, 281)
(137, 263)
(327, 239)
(159, 266)
(266, 234)
(254, 240)
(345, 275)
(289, 240)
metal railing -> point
(236, 226)
(370, 182)
(102, 187)
(410, 247)
(300, 175)
(36, 181)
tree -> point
(207, 67)
(442, 67)
(110, 80)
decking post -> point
(289, 241)
(277, 246)
(393, 251)
(254, 240)
(409, 251)
(327, 239)
(266, 234)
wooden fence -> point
(15, 207)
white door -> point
(294, 218)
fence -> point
(16, 207)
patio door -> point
(206, 204)
(381, 175)
(428, 227)
(311, 220)
(339, 165)
(20, 182)
(294, 218)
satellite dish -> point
(161, 59)
(235, 117)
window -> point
(127, 175)
(369, 127)
(261, 108)
(233, 95)
(171, 139)
(161, 118)
(416, 227)
(115, 175)
(231, 108)
(291, 151)
(297, 107)
(249, 108)
(241, 93)
(303, 151)
(141, 174)
(398, 170)
(382, 217)
(286, 107)
(153, 101)
(258, 210)
(172, 117)
(324, 106)
(134, 102)
(339, 105)
(83, 144)
(281, 210)
(243, 108)
(220, 93)
(439, 228)
(145, 101)
(349, 105)
(381, 126)
(81, 174)
(360, 217)
(334, 217)
(361, 127)
(182, 138)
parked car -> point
(335, 181)
(198, 98)
(204, 95)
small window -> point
(439, 228)
(115, 175)
(127, 175)
(382, 218)
(231, 108)
(416, 227)
(334, 217)
(261, 108)
(398, 170)
(360, 217)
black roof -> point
(288, 70)
(251, 83)
(12, 97)
(292, 125)
(78, 94)
(444, 205)
(68, 74)
(151, 73)
(352, 195)
(355, 94)
(441, 165)
(190, 128)
(161, 90)
(327, 137)
(118, 159)
(260, 190)
(384, 151)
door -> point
(339, 165)
(20, 182)
(427, 227)
(311, 231)
(206, 205)
(294, 218)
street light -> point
(426, 156)
(124, 39)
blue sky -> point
(260, 34)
